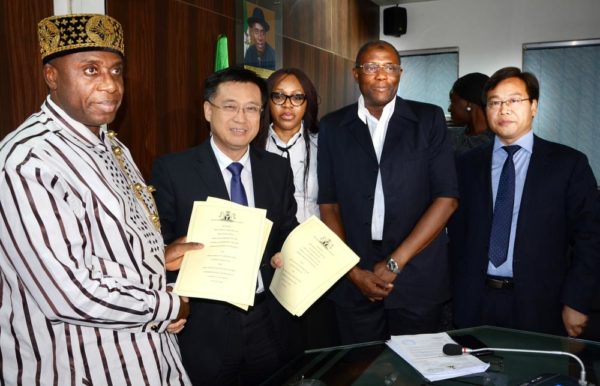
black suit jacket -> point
(417, 166)
(193, 175)
(559, 217)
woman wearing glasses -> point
(290, 129)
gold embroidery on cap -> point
(49, 37)
(70, 33)
(101, 31)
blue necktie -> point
(238, 193)
(503, 210)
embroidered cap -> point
(67, 34)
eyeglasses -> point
(280, 98)
(496, 104)
(229, 108)
(373, 68)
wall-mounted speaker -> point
(394, 21)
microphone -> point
(456, 349)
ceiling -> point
(394, 2)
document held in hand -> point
(226, 269)
(314, 258)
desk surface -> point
(375, 364)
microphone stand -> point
(582, 374)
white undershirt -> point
(378, 129)
(246, 176)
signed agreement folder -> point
(234, 238)
(314, 258)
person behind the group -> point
(260, 53)
(387, 186)
(83, 296)
(290, 129)
(467, 110)
(525, 240)
(222, 344)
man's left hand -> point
(383, 272)
(276, 261)
(176, 326)
(574, 321)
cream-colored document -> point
(314, 258)
(234, 238)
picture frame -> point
(258, 36)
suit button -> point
(154, 327)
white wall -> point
(62, 7)
(490, 33)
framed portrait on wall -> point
(259, 43)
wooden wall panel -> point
(170, 48)
(331, 74)
(23, 89)
(338, 26)
(325, 44)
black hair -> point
(531, 82)
(233, 74)
(375, 44)
(470, 87)
(310, 118)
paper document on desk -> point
(424, 353)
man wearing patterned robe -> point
(83, 296)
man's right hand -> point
(177, 325)
(184, 308)
(371, 285)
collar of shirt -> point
(75, 128)
(246, 175)
(225, 161)
(275, 138)
(377, 127)
(526, 143)
(364, 114)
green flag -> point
(245, 17)
(222, 55)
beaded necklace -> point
(138, 188)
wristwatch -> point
(392, 265)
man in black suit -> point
(221, 344)
(535, 265)
(387, 186)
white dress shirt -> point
(306, 197)
(246, 176)
(378, 129)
